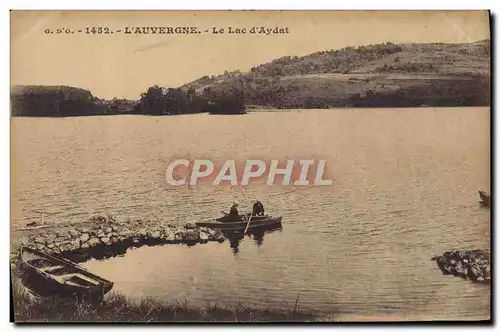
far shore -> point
(259, 110)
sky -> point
(125, 65)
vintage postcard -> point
(250, 166)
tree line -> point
(67, 101)
(61, 101)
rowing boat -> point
(484, 197)
(48, 276)
(256, 223)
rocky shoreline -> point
(103, 237)
(471, 265)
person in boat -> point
(233, 215)
(258, 209)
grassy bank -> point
(117, 308)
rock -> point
(99, 219)
(74, 233)
(211, 234)
(75, 245)
(40, 247)
(50, 239)
(125, 233)
(191, 235)
(66, 247)
(85, 246)
(219, 236)
(51, 245)
(168, 235)
(465, 264)
(114, 228)
(24, 241)
(190, 225)
(84, 237)
(62, 233)
(203, 237)
(100, 233)
(58, 244)
(114, 239)
(93, 242)
(135, 240)
(40, 240)
(156, 235)
(109, 230)
(178, 236)
(473, 272)
(142, 232)
(461, 269)
(105, 239)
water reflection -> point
(235, 238)
(258, 238)
(483, 204)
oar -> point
(248, 224)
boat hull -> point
(259, 223)
(485, 198)
(45, 284)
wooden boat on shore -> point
(256, 223)
(49, 276)
(484, 197)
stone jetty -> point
(472, 265)
(103, 237)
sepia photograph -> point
(250, 166)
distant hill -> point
(381, 75)
(386, 75)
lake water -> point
(405, 189)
